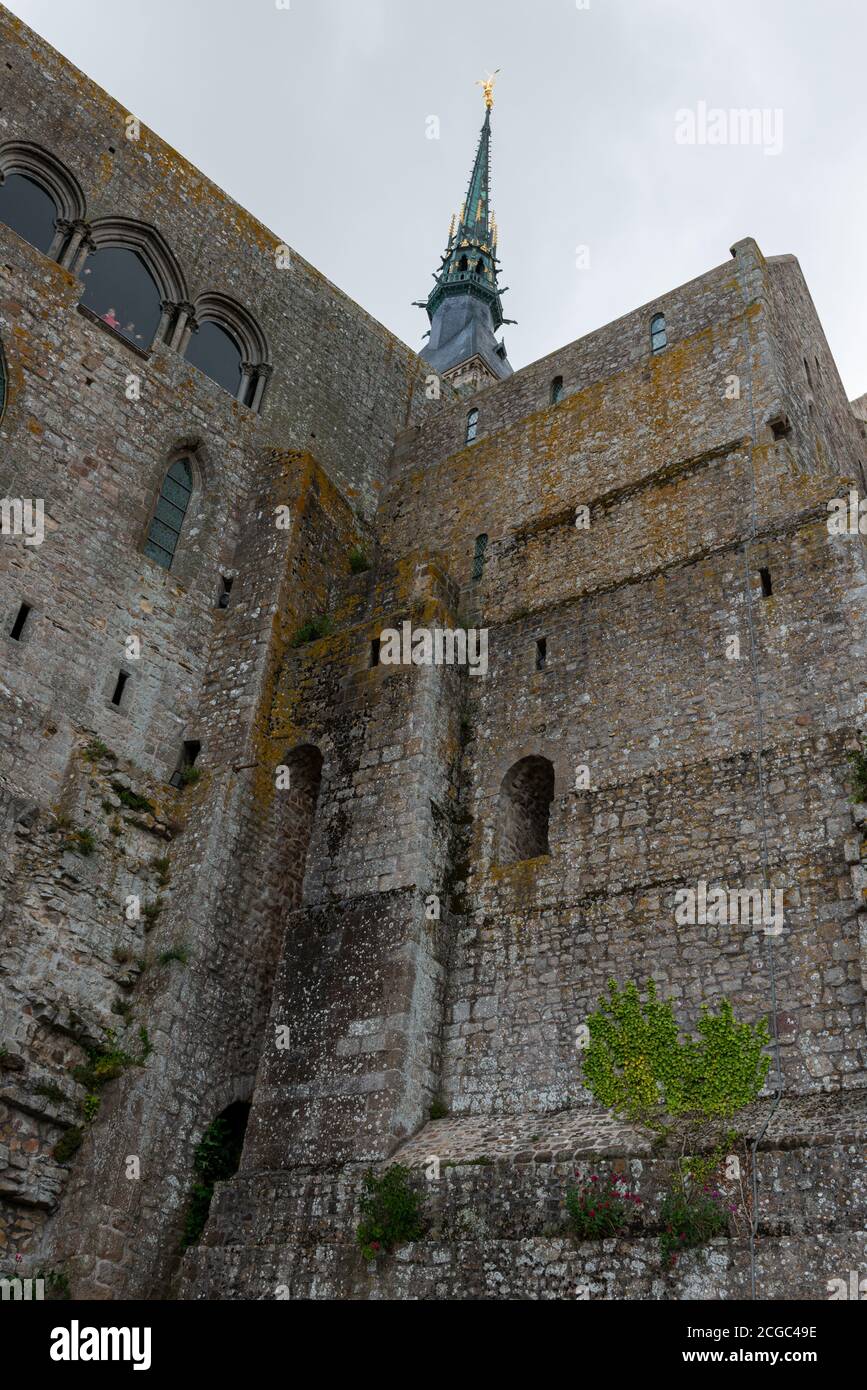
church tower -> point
(464, 305)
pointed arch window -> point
(214, 351)
(472, 426)
(29, 210)
(224, 341)
(120, 291)
(658, 334)
(2, 384)
(132, 281)
(479, 557)
(168, 518)
(40, 199)
(556, 390)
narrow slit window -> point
(17, 628)
(119, 688)
(767, 587)
(472, 426)
(225, 590)
(165, 528)
(374, 651)
(541, 653)
(556, 390)
(479, 557)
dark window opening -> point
(214, 351)
(767, 587)
(225, 590)
(374, 651)
(28, 210)
(20, 619)
(120, 290)
(480, 266)
(780, 427)
(472, 426)
(183, 773)
(120, 686)
(658, 334)
(541, 653)
(556, 390)
(807, 370)
(524, 811)
(479, 557)
(165, 528)
(216, 1159)
(463, 263)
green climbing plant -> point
(637, 1065)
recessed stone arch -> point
(41, 167)
(524, 810)
(304, 766)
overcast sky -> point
(335, 95)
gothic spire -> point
(464, 305)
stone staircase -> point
(494, 1189)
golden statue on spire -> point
(487, 86)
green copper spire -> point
(469, 265)
(464, 305)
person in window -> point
(111, 319)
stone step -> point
(824, 1266)
(810, 1188)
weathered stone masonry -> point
(656, 759)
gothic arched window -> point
(40, 199)
(479, 557)
(132, 281)
(472, 426)
(120, 291)
(226, 343)
(29, 210)
(168, 518)
(556, 390)
(658, 335)
(215, 352)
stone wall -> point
(331, 930)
